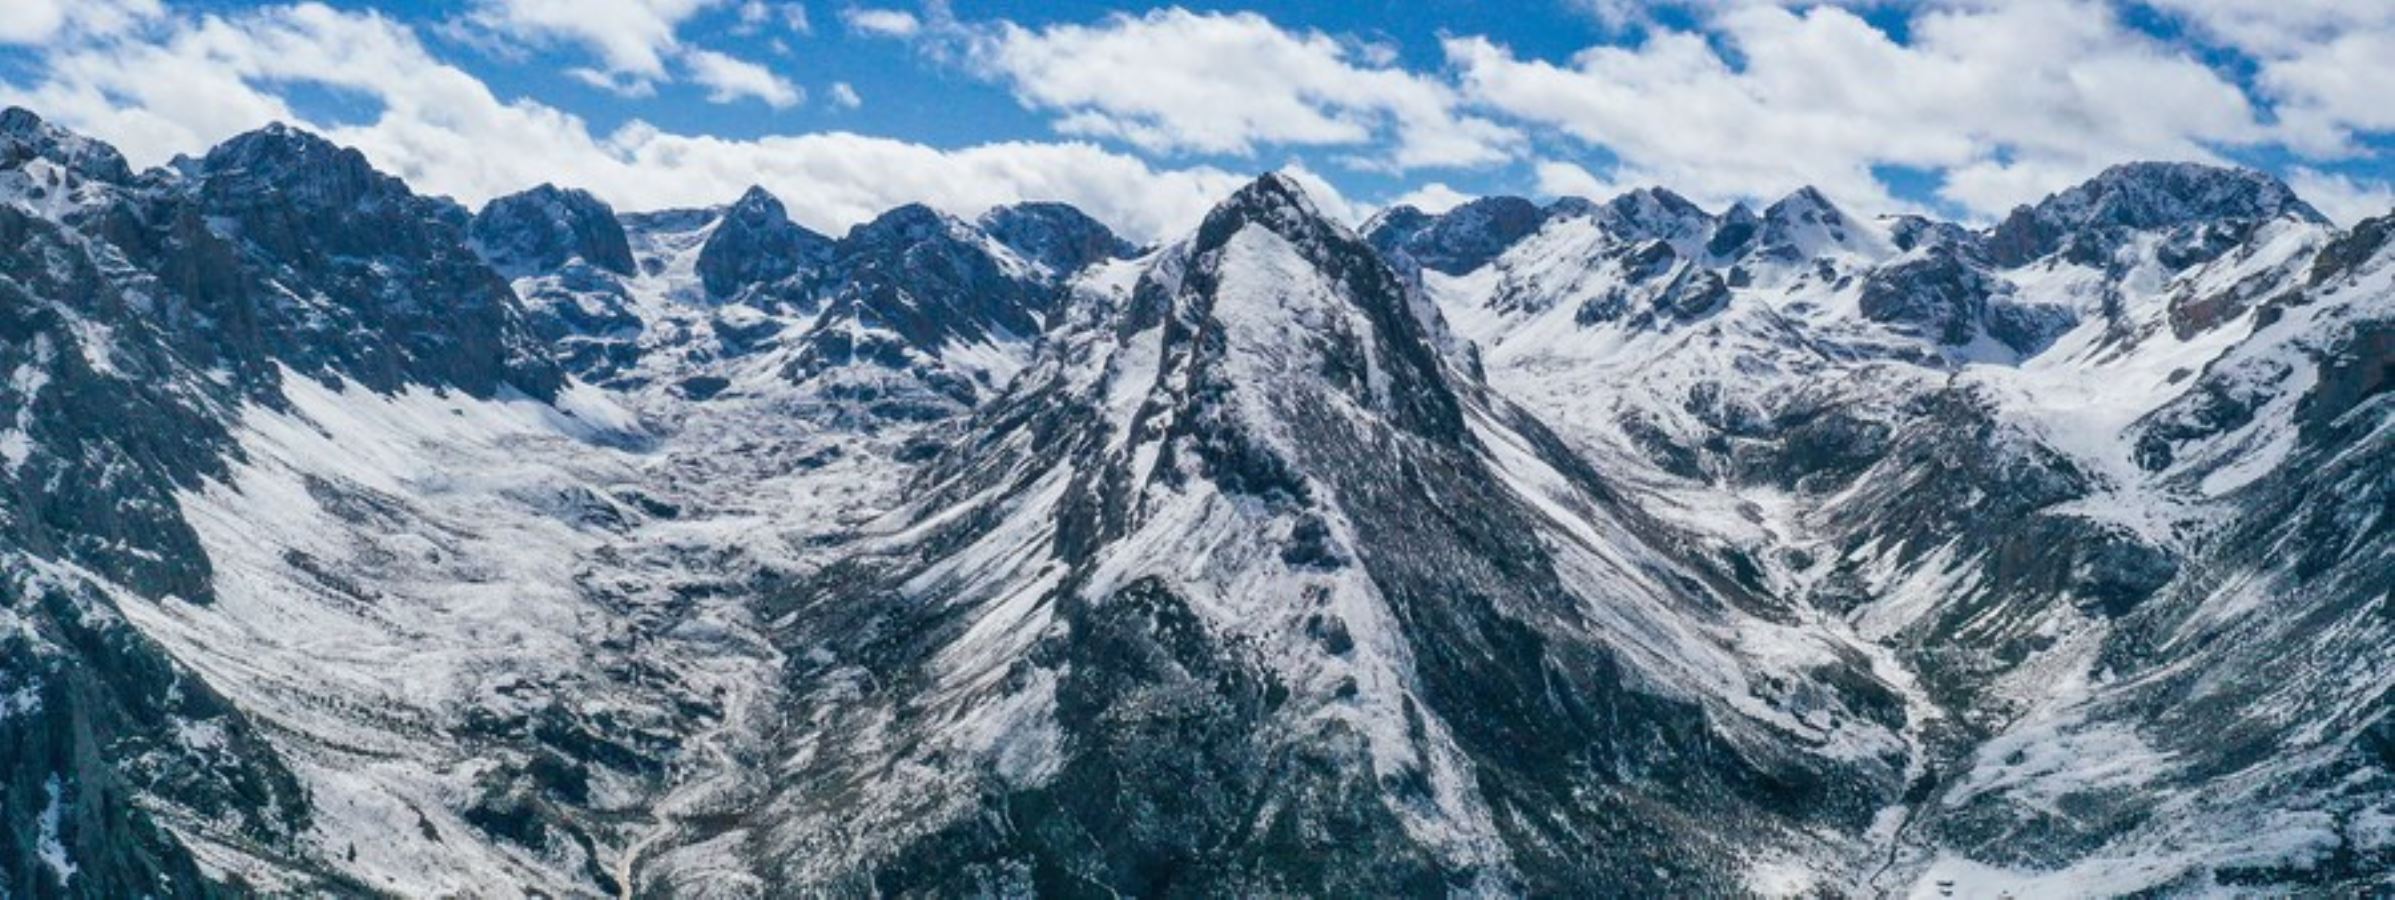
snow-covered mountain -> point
(357, 543)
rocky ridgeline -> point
(1594, 546)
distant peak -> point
(2093, 217)
(758, 199)
(280, 149)
(23, 135)
(1057, 235)
(2160, 194)
(1654, 199)
(541, 228)
(1804, 204)
(19, 120)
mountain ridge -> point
(1610, 546)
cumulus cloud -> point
(1556, 178)
(2009, 101)
(728, 79)
(40, 21)
(632, 38)
(1435, 197)
(446, 132)
(882, 22)
(1232, 83)
(2342, 198)
(1991, 104)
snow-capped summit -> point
(2089, 222)
(1652, 213)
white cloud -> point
(619, 85)
(1178, 81)
(1562, 179)
(882, 22)
(446, 133)
(845, 96)
(40, 21)
(1435, 197)
(728, 79)
(2009, 100)
(31, 21)
(2342, 198)
(754, 15)
(631, 37)
(2323, 65)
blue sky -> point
(1145, 113)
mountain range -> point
(358, 543)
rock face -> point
(757, 255)
(1056, 236)
(546, 228)
(1459, 240)
(357, 545)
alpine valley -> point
(356, 543)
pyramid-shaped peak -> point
(1275, 201)
(1805, 204)
(1271, 191)
(758, 204)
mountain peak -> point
(909, 222)
(1653, 213)
(2092, 219)
(2160, 194)
(756, 245)
(297, 163)
(757, 205)
(23, 136)
(1461, 239)
(1275, 201)
(1805, 204)
(1056, 235)
(543, 228)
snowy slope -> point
(366, 545)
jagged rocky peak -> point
(1312, 279)
(545, 228)
(1734, 231)
(1652, 213)
(1273, 200)
(298, 165)
(756, 247)
(2092, 220)
(908, 224)
(1806, 225)
(24, 137)
(1460, 239)
(1057, 236)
